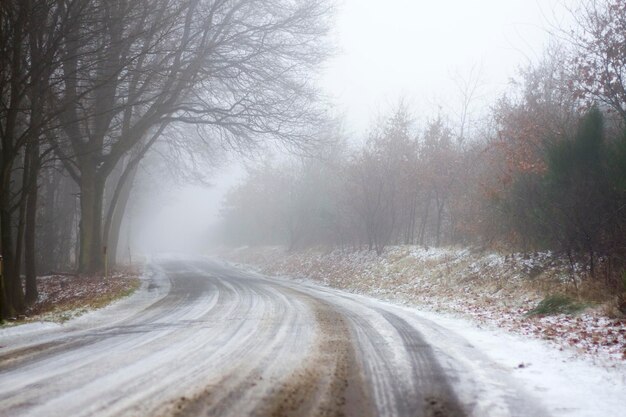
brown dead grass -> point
(487, 287)
(64, 296)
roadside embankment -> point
(539, 295)
(65, 296)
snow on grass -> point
(577, 380)
(153, 285)
(566, 384)
(488, 288)
(63, 297)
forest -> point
(331, 208)
(90, 87)
(543, 169)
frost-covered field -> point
(489, 288)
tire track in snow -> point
(223, 342)
(174, 341)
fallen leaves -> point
(63, 296)
(489, 288)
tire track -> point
(223, 342)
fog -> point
(421, 50)
(468, 156)
(186, 219)
(343, 122)
(424, 53)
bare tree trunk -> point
(114, 224)
(13, 302)
(121, 195)
(422, 234)
(55, 220)
(30, 261)
(21, 221)
(50, 188)
(11, 61)
(440, 206)
(91, 197)
(410, 231)
(40, 84)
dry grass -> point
(62, 297)
(486, 287)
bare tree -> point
(598, 63)
(378, 182)
(30, 32)
(237, 69)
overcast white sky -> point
(416, 48)
(392, 49)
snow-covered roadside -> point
(154, 285)
(564, 382)
(490, 289)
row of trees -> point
(545, 169)
(399, 187)
(89, 86)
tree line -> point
(545, 169)
(89, 86)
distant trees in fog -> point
(88, 86)
(545, 170)
(397, 188)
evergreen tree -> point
(576, 191)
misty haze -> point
(313, 208)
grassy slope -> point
(64, 297)
(489, 288)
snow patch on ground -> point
(488, 288)
(154, 285)
(566, 384)
(564, 381)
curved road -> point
(203, 338)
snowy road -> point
(203, 338)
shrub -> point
(555, 304)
